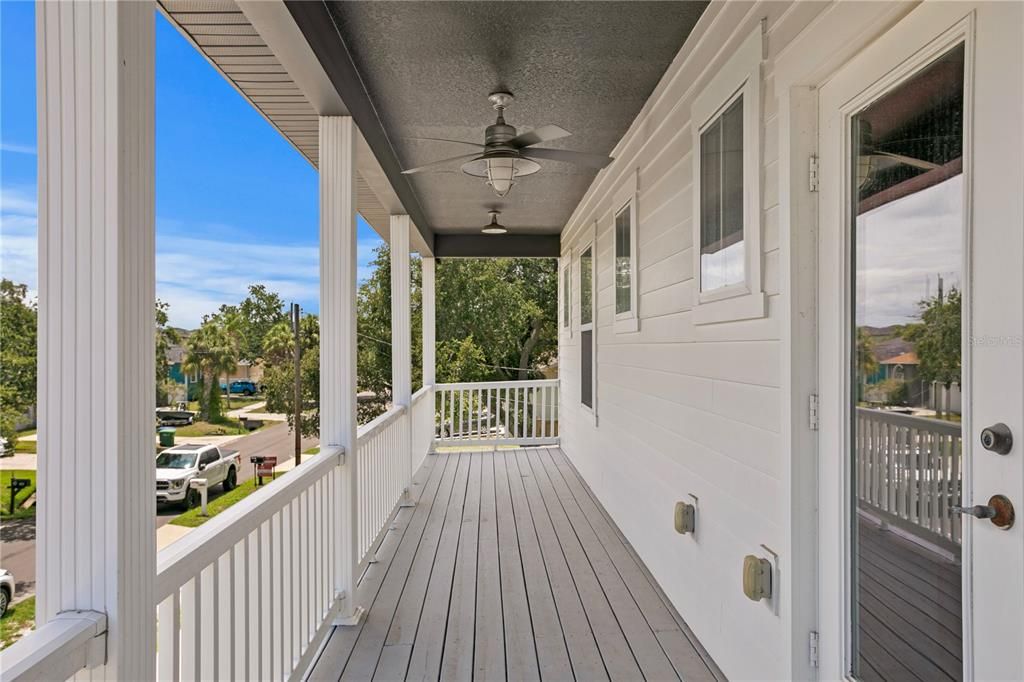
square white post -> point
(96, 549)
(429, 330)
(338, 340)
(401, 333)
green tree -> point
(867, 363)
(212, 351)
(18, 333)
(166, 337)
(256, 316)
(279, 375)
(937, 339)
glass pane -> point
(623, 300)
(566, 297)
(586, 287)
(587, 367)
(906, 450)
(722, 251)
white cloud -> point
(903, 247)
(18, 236)
(15, 148)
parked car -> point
(177, 466)
(242, 387)
(6, 590)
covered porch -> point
(509, 568)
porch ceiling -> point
(424, 69)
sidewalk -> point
(19, 462)
(250, 412)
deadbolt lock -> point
(999, 511)
(998, 438)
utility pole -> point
(298, 385)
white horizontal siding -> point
(682, 408)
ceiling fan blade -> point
(442, 162)
(441, 139)
(580, 158)
(909, 161)
(538, 135)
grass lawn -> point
(229, 427)
(312, 451)
(20, 619)
(25, 447)
(194, 517)
(5, 494)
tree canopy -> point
(937, 339)
(18, 329)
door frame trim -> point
(941, 28)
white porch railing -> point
(909, 468)
(497, 413)
(384, 472)
(422, 424)
(246, 595)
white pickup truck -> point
(176, 466)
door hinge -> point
(812, 649)
(812, 173)
(812, 412)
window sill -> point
(627, 325)
(749, 306)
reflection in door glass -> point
(906, 448)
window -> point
(587, 327)
(625, 262)
(208, 458)
(726, 121)
(567, 295)
(721, 200)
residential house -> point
(707, 499)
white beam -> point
(338, 335)
(96, 549)
(429, 330)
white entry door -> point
(921, 321)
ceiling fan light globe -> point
(501, 174)
(494, 230)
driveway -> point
(18, 538)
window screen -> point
(587, 368)
(566, 297)
(623, 261)
(586, 286)
(721, 200)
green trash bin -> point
(167, 437)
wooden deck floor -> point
(508, 568)
(910, 610)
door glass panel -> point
(906, 450)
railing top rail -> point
(378, 424)
(177, 563)
(422, 393)
(910, 421)
(73, 641)
(473, 385)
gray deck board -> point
(909, 609)
(508, 569)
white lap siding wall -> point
(682, 408)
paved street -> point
(17, 538)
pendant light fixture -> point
(494, 227)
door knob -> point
(998, 438)
(999, 511)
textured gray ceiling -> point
(585, 66)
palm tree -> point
(279, 343)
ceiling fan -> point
(507, 156)
(875, 160)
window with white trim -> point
(726, 123)
(586, 286)
(567, 295)
(625, 257)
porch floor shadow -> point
(509, 568)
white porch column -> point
(96, 549)
(338, 337)
(429, 329)
(401, 339)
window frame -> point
(589, 241)
(625, 199)
(740, 76)
(566, 286)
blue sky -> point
(235, 203)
